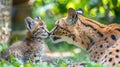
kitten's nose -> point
(48, 33)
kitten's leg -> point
(20, 61)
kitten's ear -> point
(30, 24)
(72, 16)
(79, 11)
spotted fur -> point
(33, 45)
(101, 41)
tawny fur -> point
(98, 39)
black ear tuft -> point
(80, 11)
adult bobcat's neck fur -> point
(92, 29)
(97, 32)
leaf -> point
(51, 65)
(114, 2)
(63, 65)
(44, 64)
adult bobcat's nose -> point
(51, 33)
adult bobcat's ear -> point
(30, 24)
(72, 16)
(79, 11)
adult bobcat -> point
(101, 41)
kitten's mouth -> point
(45, 35)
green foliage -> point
(58, 63)
(105, 11)
(4, 63)
(62, 63)
(3, 47)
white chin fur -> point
(65, 39)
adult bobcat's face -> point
(65, 28)
(36, 28)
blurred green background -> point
(104, 11)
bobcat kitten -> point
(33, 45)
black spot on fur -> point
(106, 56)
(105, 39)
(35, 55)
(82, 42)
(117, 56)
(113, 37)
(100, 34)
(101, 46)
(110, 52)
(73, 36)
(97, 57)
(117, 50)
(113, 64)
(96, 52)
(118, 29)
(101, 53)
(108, 46)
(73, 39)
(110, 59)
